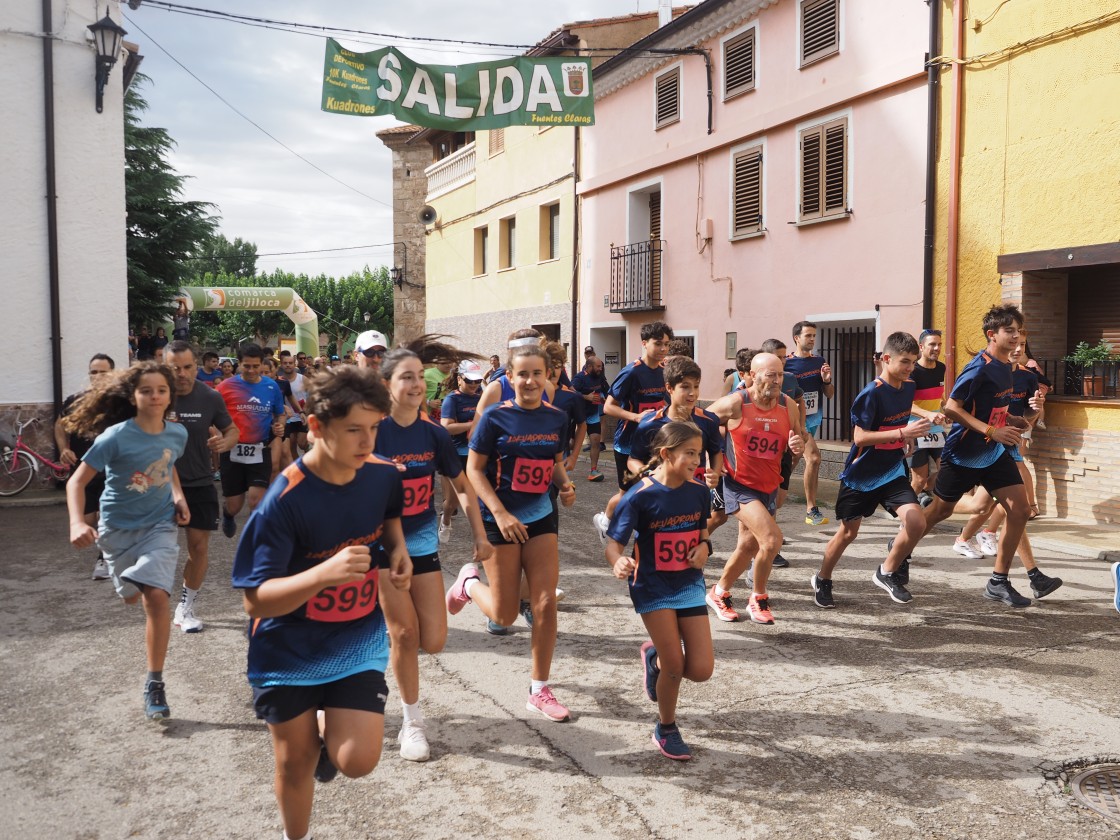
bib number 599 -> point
(347, 602)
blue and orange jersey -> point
(753, 451)
(639, 388)
(1024, 384)
(301, 522)
(460, 408)
(572, 404)
(879, 407)
(704, 420)
(807, 370)
(419, 450)
(253, 406)
(984, 388)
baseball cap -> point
(469, 369)
(588, 349)
(370, 339)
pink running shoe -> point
(457, 596)
(547, 705)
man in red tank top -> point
(761, 425)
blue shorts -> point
(813, 423)
(736, 495)
(141, 556)
(1016, 456)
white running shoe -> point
(969, 549)
(186, 620)
(413, 741)
(559, 594)
(988, 543)
(444, 535)
(601, 524)
(100, 569)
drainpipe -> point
(933, 88)
(52, 206)
(953, 233)
(576, 354)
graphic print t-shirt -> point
(252, 406)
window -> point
(738, 64)
(497, 141)
(746, 207)
(549, 232)
(507, 243)
(667, 88)
(824, 171)
(481, 244)
(820, 29)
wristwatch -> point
(709, 542)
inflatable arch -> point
(259, 299)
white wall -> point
(89, 159)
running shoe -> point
(925, 499)
(601, 524)
(721, 604)
(988, 543)
(547, 705)
(968, 549)
(457, 596)
(822, 592)
(413, 741)
(526, 610)
(229, 524)
(891, 585)
(186, 620)
(155, 701)
(1005, 592)
(813, 516)
(560, 593)
(905, 561)
(650, 671)
(100, 569)
(903, 572)
(217, 475)
(595, 475)
(325, 771)
(1115, 584)
(1042, 585)
(669, 741)
(758, 607)
(496, 629)
(444, 534)
(780, 562)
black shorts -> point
(689, 612)
(787, 468)
(859, 504)
(237, 478)
(922, 457)
(463, 459)
(620, 459)
(954, 481)
(595, 428)
(94, 490)
(294, 428)
(425, 563)
(545, 525)
(202, 502)
(365, 691)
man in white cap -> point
(370, 348)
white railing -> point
(451, 172)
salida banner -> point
(492, 94)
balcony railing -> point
(1095, 381)
(450, 173)
(636, 276)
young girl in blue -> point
(142, 502)
(420, 447)
(457, 416)
(669, 510)
(516, 453)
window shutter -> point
(738, 64)
(810, 174)
(748, 192)
(820, 29)
(655, 215)
(668, 89)
(497, 141)
(511, 233)
(554, 231)
(835, 168)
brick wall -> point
(1044, 298)
(488, 334)
(1075, 473)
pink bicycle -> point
(20, 464)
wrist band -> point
(901, 437)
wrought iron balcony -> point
(636, 276)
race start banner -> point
(466, 97)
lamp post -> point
(107, 35)
(398, 274)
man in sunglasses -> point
(370, 348)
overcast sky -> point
(264, 193)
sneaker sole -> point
(530, 707)
(762, 621)
(1000, 599)
(813, 583)
(417, 758)
(1054, 587)
(1115, 569)
(887, 589)
(657, 744)
(716, 610)
(159, 717)
(971, 555)
(500, 631)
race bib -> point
(998, 418)
(247, 453)
(417, 495)
(812, 402)
(671, 549)
(651, 406)
(347, 602)
(532, 475)
(897, 443)
(765, 445)
(934, 440)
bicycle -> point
(20, 464)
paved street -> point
(947, 718)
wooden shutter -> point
(824, 170)
(511, 243)
(554, 231)
(668, 94)
(497, 141)
(747, 192)
(820, 29)
(655, 215)
(655, 245)
(810, 174)
(738, 64)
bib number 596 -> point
(671, 549)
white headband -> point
(523, 342)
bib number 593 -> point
(532, 475)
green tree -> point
(217, 255)
(164, 231)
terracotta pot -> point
(1092, 386)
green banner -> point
(550, 90)
(259, 299)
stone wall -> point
(488, 335)
(410, 186)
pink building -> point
(796, 192)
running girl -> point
(457, 416)
(420, 447)
(311, 562)
(668, 509)
(142, 502)
(516, 453)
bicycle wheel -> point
(16, 472)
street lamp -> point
(107, 34)
(395, 276)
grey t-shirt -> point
(202, 408)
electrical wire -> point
(1007, 52)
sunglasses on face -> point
(374, 352)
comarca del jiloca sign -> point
(547, 90)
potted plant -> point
(1085, 356)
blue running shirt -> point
(571, 403)
(460, 408)
(878, 408)
(647, 430)
(253, 406)
(807, 370)
(984, 388)
(638, 388)
(301, 522)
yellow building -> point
(1028, 208)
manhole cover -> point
(1099, 788)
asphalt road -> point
(951, 717)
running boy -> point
(814, 375)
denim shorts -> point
(141, 556)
